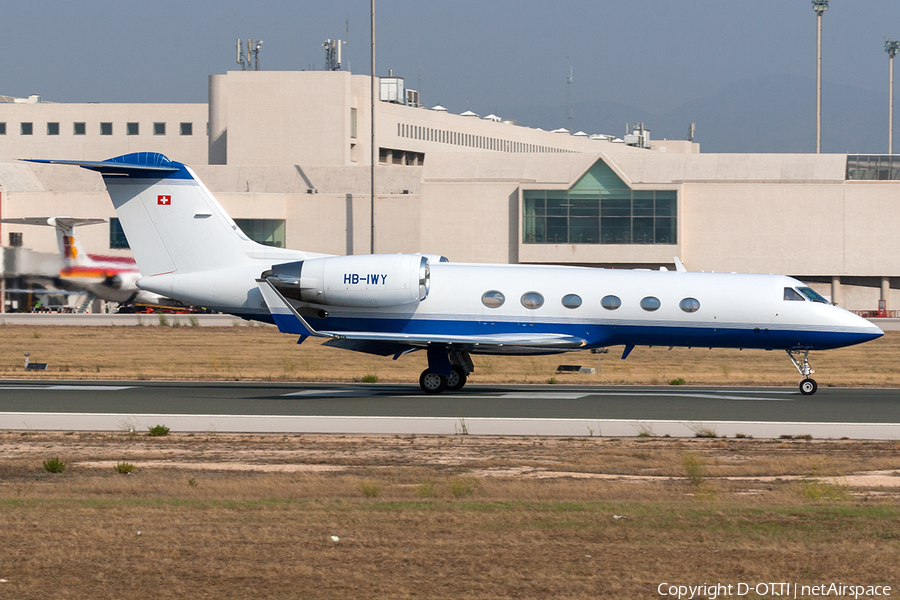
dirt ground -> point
(332, 516)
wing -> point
(290, 321)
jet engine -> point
(370, 281)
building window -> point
(873, 167)
(268, 232)
(599, 209)
(159, 129)
(187, 129)
(26, 128)
(383, 155)
(2, 128)
(105, 128)
(353, 122)
(15, 239)
(52, 128)
(132, 128)
(117, 239)
(79, 128)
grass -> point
(445, 516)
(261, 353)
(158, 430)
(54, 465)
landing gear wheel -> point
(808, 387)
(432, 383)
(457, 378)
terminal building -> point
(288, 155)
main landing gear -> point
(432, 383)
(808, 386)
(460, 365)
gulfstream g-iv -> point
(189, 249)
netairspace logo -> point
(711, 591)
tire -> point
(457, 379)
(808, 387)
(432, 383)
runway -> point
(479, 409)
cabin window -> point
(532, 300)
(813, 295)
(650, 303)
(689, 305)
(792, 294)
(610, 302)
(571, 301)
(493, 299)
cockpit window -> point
(812, 295)
(792, 294)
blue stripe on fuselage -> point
(596, 335)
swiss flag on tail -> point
(164, 200)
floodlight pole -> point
(891, 47)
(372, 149)
(819, 6)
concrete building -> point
(288, 156)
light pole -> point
(891, 47)
(819, 6)
(372, 143)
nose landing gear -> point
(808, 386)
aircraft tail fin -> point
(172, 221)
(69, 245)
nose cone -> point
(857, 330)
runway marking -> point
(371, 393)
(70, 388)
(339, 393)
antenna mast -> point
(568, 106)
(332, 55)
(243, 58)
(240, 56)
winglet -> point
(286, 316)
(679, 266)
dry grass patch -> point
(434, 516)
(262, 353)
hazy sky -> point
(650, 55)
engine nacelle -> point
(368, 280)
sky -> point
(743, 71)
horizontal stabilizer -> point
(61, 222)
(136, 163)
(289, 320)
